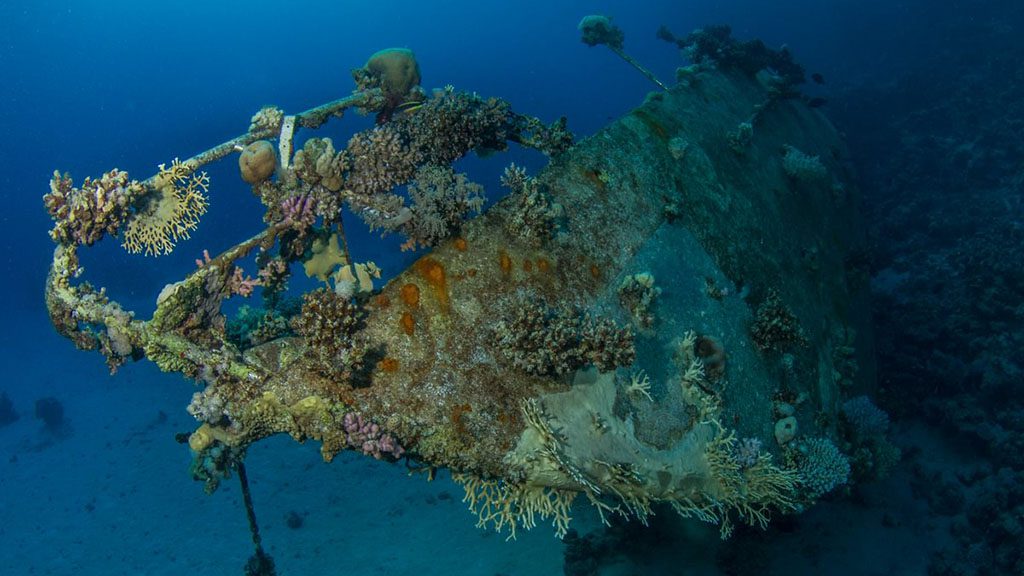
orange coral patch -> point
(433, 273)
(504, 262)
(461, 245)
(407, 323)
(388, 365)
(527, 266)
(543, 265)
(410, 295)
(382, 301)
(595, 271)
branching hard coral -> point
(267, 122)
(545, 341)
(442, 130)
(803, 167)
(381, 160)
(169, 210)
(864, 429)
(864, 417)
(368, 438)
(549, 139)
(820, 465)
(533, 218)
(775, 326)
(84, 215)
(714, 45)
(441, 199)
(637, 294)
(639, 385)
(740, 138)
(748, 452)
(235, 283)
(376, 161)
(329, 323)
(702, 386)
(240, 284)
(208, 406)
(751, 489)
(299, 212)
(273, 273)
(500, 504)
(450, 124)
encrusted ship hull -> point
(686, 278)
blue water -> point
(86, 86)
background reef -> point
(927, 95)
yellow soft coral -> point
(171, 209)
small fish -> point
(410, 106)
(818, 78)
(817, 102)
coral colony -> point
(618, 327)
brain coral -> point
(396, 69)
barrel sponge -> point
(397, 71)
(257, 162)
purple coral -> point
(240, 284)
(864, 417)
(748, 452)
(366, 436)
(299, 211)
